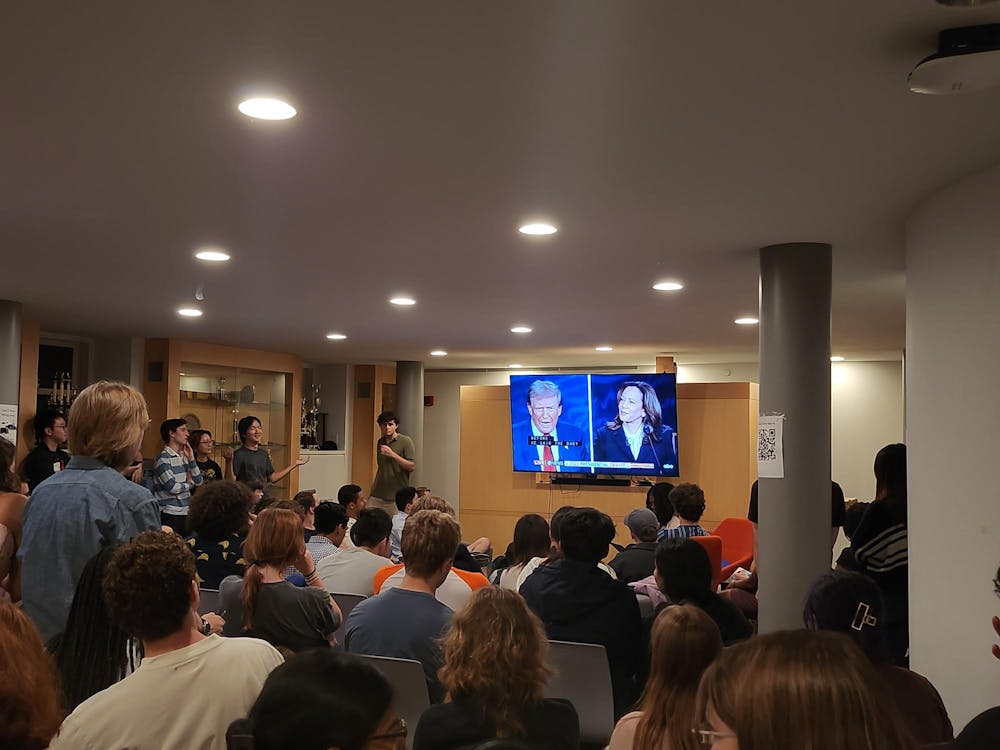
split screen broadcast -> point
(595, 424)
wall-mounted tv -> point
(595, 424)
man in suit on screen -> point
(541, 442)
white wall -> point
(867, 405)
(953, 330)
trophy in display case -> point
(63, 392)
(309, 426)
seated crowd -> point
(102, 644)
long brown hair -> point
(684, 642)
(30, 702)
(494, 656)
(802, 689)
(275, 539)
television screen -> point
(595, 424)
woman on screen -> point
(637, 434)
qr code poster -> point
(770, 459)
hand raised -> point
(227, 453)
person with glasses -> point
(204, 445)
(797, 689)
(318, 700)
(47, 457)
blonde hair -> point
(430, 538)
(683, 643)
(106, 422)
(494, 656)
(432, 502)
(275, 539)
(802, 689)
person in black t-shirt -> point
(203, 444)
(46, 458)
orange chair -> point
(737, 544)
(713, 546)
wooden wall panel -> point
(27, 397)
(716, 434)
(381, 381)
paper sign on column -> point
(770, 458)
(8, 422)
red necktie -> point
(548, 460)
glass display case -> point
(215, 398)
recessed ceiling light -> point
(263, 108)
(604, 348)
(538, 229)
(746, 321)
(439, 353)
(189, 312)
(403, 301)
(668, 286)
(515, 366)
(336, 336)
(836, 358)
(520, 329)
(213, 255)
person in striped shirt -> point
(175, 475)
(689, 503)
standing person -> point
(251, 463)
(175, 475)
(204, 444)
(879, 547)
(394, 453)
(190, 685)
(88, 505)
(46, 458)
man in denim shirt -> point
(74, 513)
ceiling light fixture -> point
(604, 348)
(538, 229)
(520, 329)
(746, 321)
(189, 312)
(515, 366)
(214, 255)
(336, 336)
(439, 353)
(403, 301)
(836, 358)
(265, 108)
(668, 286)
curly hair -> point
(30, 710)
(220, 509)
(688, 500)
(147, 586)
(9, 481)
(495, 656)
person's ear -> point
(194, 595)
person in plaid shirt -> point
(175, 475)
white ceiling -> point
(666, 139)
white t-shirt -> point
(347, 537)
(351, 571)
(181, 700)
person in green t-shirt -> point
(394, 454)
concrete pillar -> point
(10, 351)
(794, 513)
(410, 400)
(952, 418)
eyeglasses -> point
(708, 737)
(399, 733)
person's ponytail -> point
(248, 596)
